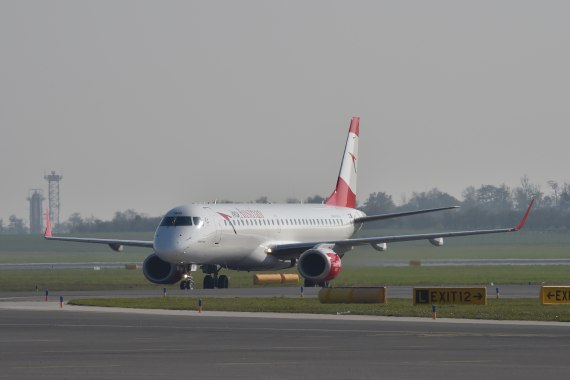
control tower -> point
(36, 199)
(53, 196)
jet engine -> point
(319, 265)
(161, 272)
(437, 242)
(380, 247)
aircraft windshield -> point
(175, 221)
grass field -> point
(504, 309)
(521, 245)
(35, 249)
(114, 279)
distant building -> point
(36, 199)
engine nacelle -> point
(319, 264)
(161, 272)
(380, 247)
(438, 242)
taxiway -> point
(39, 340)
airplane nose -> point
(169, 246)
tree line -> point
(487, 206)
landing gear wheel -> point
(223, 282)
(186, 284)
(311, 283)
(209, 282)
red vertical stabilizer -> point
(344, 194)
(47, 233)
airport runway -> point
(38, 340)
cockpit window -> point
(175, 221)
(198, 221)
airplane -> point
(261, 237)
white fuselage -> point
(237, 236)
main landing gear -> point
(212, 280)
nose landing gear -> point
(187, 283)
(187, 279)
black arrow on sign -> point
(550, 295)
(479, 296)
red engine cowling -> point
(319, 265)
(161, 272)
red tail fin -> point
(344, 194)
(47, 233)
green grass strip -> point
(121, 279)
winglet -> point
(47, 233)
(522, 222)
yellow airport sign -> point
(447, 296)
(550, 295)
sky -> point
(147, 105)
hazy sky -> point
(149, 105)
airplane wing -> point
(115, 244)
(294, 250)
(370, 218)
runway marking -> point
(67, 366)
(444, 334)
(295, 330)
(253, 363)
(470, 361)
(436, 363)
(12, 341)
(487, 335)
